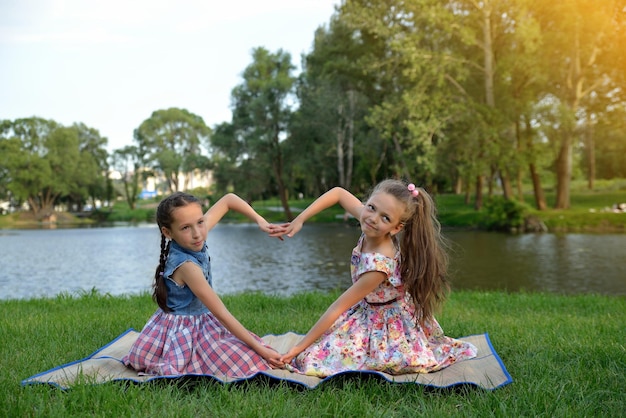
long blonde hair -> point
(423, 256)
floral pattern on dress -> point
(383, 335)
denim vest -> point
(180, 299)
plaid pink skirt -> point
(171, 345)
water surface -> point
(121, 260)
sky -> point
(109, 64)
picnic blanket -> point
(486, 370)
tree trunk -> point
(540, 199)
(458, 185)
(488, 62)
(591, 156)
(42, 205)
(507, 189)
(564, 171)
(520, 150)
(277, 164)
(379, 164)
(574, 92)
(404, 171)
(488, 55)
(350, 138)
(492, 175)
(284, 199)
(339, 147)
(478, 204)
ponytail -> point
(423, 257)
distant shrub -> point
(500, 214)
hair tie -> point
(414, 191)
(161, 274)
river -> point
(121, 260)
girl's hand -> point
(278, 231)
(272, 357)
(273, 230)
(289, 355)
(292, 228)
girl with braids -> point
(192, 332)
(384, 321)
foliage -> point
(44, 163)
(128, 161)
(262, 111)
(459, 96)
(503, 215)
(171, 139)
(329, 125)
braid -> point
(159, 294)
(164, 220)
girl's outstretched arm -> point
(336, 195)
(366, 283)
(233, 202)
(190, 274)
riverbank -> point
(590, 211)
(565, 354)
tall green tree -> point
(93, 162)
(608, 132)
(28, 170)
(415, 78)
(48, 162)
(333, 101)
(130, 163)
(262, 109)
(171, 139)
(233, 169)
(582, 43)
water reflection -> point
(565, 263)
(37, 263)
(121, 260)
(317, 258)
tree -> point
(582, 42)
(233, 169)
(170, 138)
(46, 162)
(27, 169)
(92, 162)
(609, 132)
(262, 111)
(333, 102)
(415, 80)
(129, 162)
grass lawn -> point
(566, 355)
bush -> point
(500, 214)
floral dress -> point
(380, 332)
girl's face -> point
(381, 215)
(188, 227)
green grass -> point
(566, 355)
(588, 210)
